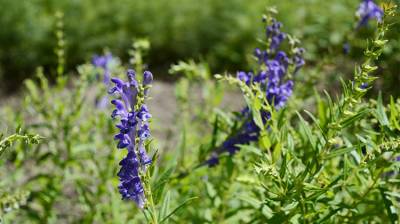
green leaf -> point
(321, 110)
(251, 149)
(356, 117)
(330, 106)
(393, 194)
(214, 133)
(265, 142)
(230, 165)
(307, 130)
(323, 141)
(224, 117)
(380, 112)
(165, 206)
(210, 190)
(254, 202)
(283, 168)
(338, 152)
(394, 114)
(388, 204)
(177, 209)
(257, 119)
(159, 185)
(247, 179)
(276, 154)
(290, 206)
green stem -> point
(154, 217)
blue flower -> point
(144, 114)
(133, 132)
(213, 160)
(244, 77)
(364, 85)
(261, 56)
(104, 63)
(144, 132)
(368, 10)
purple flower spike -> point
(275, 35)
(133, 128)
(103, 62)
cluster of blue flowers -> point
(368, 10)
(133, 132)
(275, 64)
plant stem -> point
(154, 218)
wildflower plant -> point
(270, 84)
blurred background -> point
(222, 33)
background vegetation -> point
(221, 32)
